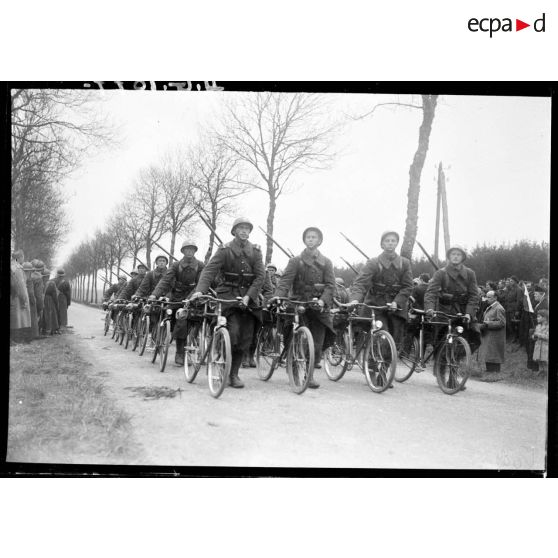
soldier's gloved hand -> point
(392, 306)
(467, 317)
(353, 303)
(245, 300)
(320, 303)
(429, 312)
(195, 295)
(151, 297)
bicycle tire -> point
(135, 332)
(194, 351)
(122, 329)
(300, 360)
(407, 361)
(335, 358)
(107, 322)
(156, 341)
(164, 346)
(143, 334)
(268, 352)
(129, 322)
(379, 360)
(219, 362)
(452, 356)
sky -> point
(495, 152)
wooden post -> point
(438, 202)
(445, 217)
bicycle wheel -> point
(143, 335)
(408, 359)
(195, 349)
(300, 359)
(219, 362)
(164, 344)
(135, 331)
(107, 322)
(379, 359)
(268, 352)
(156, 341)
(335, 357)
(452, 365)
(122, 328)
(129, 324)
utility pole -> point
(445, 217)
(438, 203)
(441, 203)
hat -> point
(269, 265)
(46, 272)
(241, 221)
(514, 278)
(60, 272)
(122, 277)
(538, 289)
(133, 272)
(188, 244)
(28, 266)
(340, 281)
(141, 265)
(162, 256)
(385, 233)
(315, 229)
(459, 248)
(37, 264)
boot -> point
(312, 384)
(234, 380)
(179, 355)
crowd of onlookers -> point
(39, 300)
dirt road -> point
(341, 424)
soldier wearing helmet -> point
(115, 289)
(310, 276)
(453, 289)
(239, 271)
(133, 284)
(386, 280)
(152, 278)
(178, 283)
(64, 297)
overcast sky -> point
(496, 151)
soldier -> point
(386, 280)
(179, 281)
(453, 289)
(152, 278)
(64, 297)
(341, 292)
(271, 270)
(310, 275)
(38, 287)
(419, 290)
(114, 289)
(28, 269)
(133, 284)
(239, 270)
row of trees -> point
(525, 259)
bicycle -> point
(107, 319)
(297, 349)
(119, 306)
(375, 352)
(150, 312)
(209, 343)
(132, 320)
(163, 335)
(451, 352)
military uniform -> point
(113, 290)
(131, 287)
(381, 281)
(453, 289)
(308, 276)
(64, 297)
(150, 281)
(238, 271)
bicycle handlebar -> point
(361, 304)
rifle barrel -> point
(167, 253)
(277, 244)
(350, 265)
(436, 267)
(208, 225)
(354, 245)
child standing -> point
(540, 354)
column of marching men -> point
(39, 300)
(237, 272)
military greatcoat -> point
(179, 280)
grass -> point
(59, 414)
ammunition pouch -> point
(459, 298)
(239, 280)
(387, 290)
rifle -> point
(353, 244)
(208, 225)
(167, 253)
(123, 271)
(436, 267)
(289, 254)
(350, 265)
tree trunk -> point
(270, 218)
(415, 171)
(148, 253)
(172, 244)
(88, 285)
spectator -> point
(20, 315)
(38, 288)
(493, 343)
(28, 270)
(419, 289)
(540, 336)
(513, 305)
(50, 324)
(64, 297)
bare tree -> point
(179, 195)
(216, 179)
(428, 108)
(275, 135)
(118, 240)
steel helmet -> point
(162, 256)
(459, 248)
(241, 221)
(133, 272)
(340, 281)
(38, 264)
(28, 266)
(315, 229)
(60, 272)
(187, 244)
(385, 233)
(122, 278)
(271, 265)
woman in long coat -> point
(28, 269)
(64, 296)
(20, 316)
(49, 323)
(493, 328)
